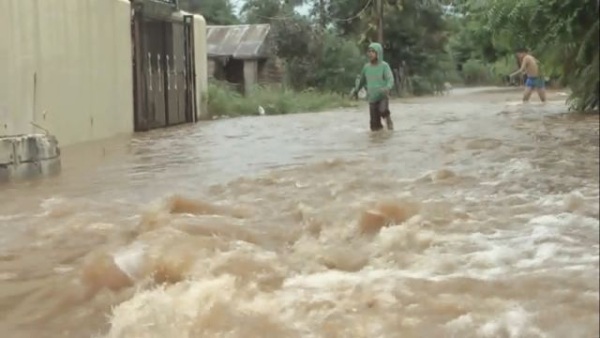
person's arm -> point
(359, 83)
(389, 78)
(523, 67)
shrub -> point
(475, 72)
(223, 100)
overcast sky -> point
(238, 4)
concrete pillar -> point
(250, 75)
(201, 55)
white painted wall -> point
(66, 65)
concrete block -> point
(25, 157)
(6, 151)
(31, 148)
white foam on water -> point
(50, 203)
(516, 322)
(309, 294)
(435, 270)
(6, 218)
(131, 259)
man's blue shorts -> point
(534, 82)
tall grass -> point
(226, 101)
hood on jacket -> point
(378, 49)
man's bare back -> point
(530, 66)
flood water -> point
(476, 217)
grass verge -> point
(225, 101)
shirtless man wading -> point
(530, 66)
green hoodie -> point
(377, 77)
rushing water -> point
(477, 217)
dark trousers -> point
(378, 110)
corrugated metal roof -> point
(240, 41)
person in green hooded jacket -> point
(378, 79)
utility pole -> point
(379, 21)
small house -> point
(243, 55)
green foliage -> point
(472, 46)
(471, 39)
(262, 11)
(325, 50)
(313, 57)
(340, 61)
(476, 72)
(226, 101)
(327, 63)
(216, 12)
(415, 33)
(562, 34)
(502, 67)
(421, 85)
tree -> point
(261, 11)
(564, 34)
(415, 33)
(216, 12)
(325, 49)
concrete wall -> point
(66, 65)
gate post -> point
(139, 81)
(190, 58)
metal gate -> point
(164, 72)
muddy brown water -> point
(477, 217)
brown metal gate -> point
(164, 74)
